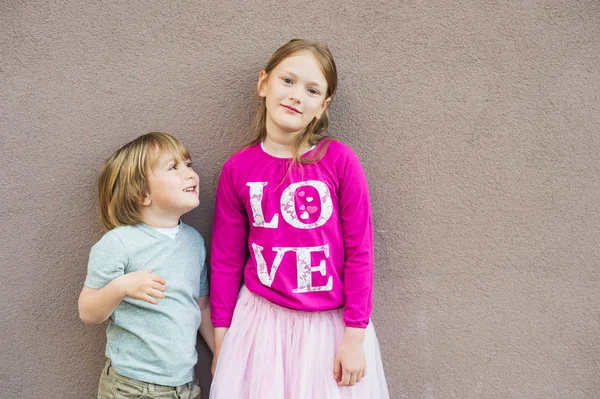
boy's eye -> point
(172, 166)
(189, 164)
(287, 80)
(314, 91)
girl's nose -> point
(295, 96)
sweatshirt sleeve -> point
(228, 255)
(357, 230)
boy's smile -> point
(191, 189)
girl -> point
(292, 215)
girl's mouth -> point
(291, 108)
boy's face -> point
(173, 188)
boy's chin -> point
(196, 205)
(189, 208)
(192, 207)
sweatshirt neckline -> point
(262, 149)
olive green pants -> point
(115, 386)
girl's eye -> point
(314, 91)
(287, 80)
(189, 164)
(172, 167)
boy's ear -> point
(146, 201)
(262, 82)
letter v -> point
(265, 277)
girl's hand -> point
(350, 364)
(213, 366)
(219, 337)
(143, 285)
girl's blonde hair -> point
(123, 182)
(313, 133)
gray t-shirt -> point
(153, 343)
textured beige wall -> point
(477, 123)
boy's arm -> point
(96, 305)
(206, 326)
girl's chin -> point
(290, 128)
(290, 124)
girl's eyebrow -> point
(310, 83)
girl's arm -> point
(219, 337)
(230, 232)
(357, 230)
(229, 241)
(96, 305)
(206, 326)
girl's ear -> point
(323, 108)
(262, 82)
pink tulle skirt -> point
(271, 352)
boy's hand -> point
(350, 364)
(143, 285)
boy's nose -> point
(191, 174)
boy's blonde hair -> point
(123, 182)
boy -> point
(147, 275)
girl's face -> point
(295, 94)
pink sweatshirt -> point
(303, 239)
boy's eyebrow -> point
(310, 83)
(178, 159)
(165, 161)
